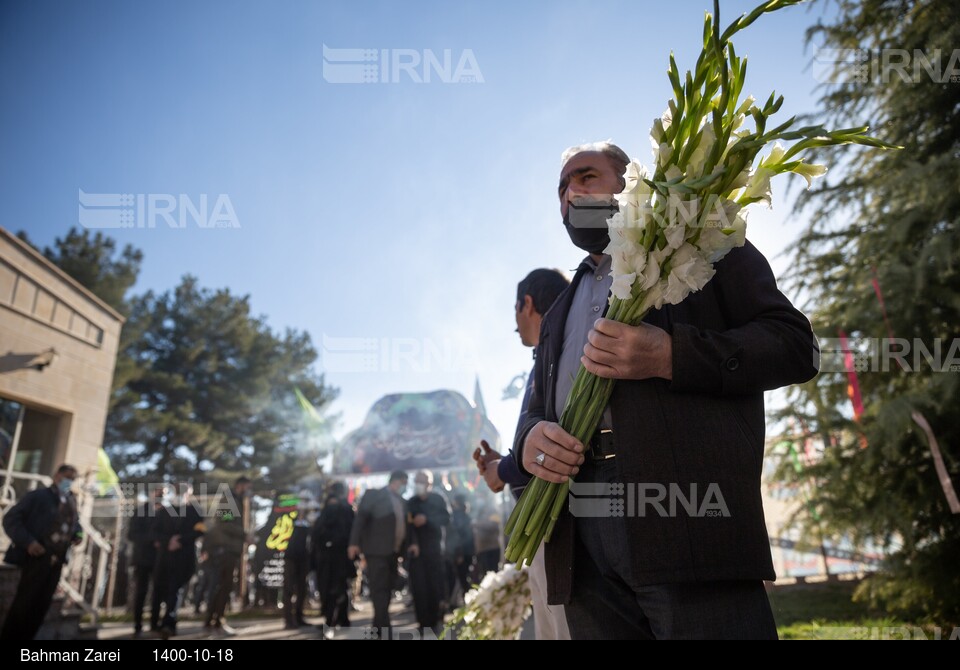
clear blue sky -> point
(401, 213)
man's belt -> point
(601, 446)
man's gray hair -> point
(606, 147)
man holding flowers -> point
(684, 552)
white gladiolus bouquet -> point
(496, 609)
(675, 223)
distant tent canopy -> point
(409, 431)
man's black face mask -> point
(586, 223)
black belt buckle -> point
(602, 445)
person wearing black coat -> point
(429, 517)
(379, 533)
(461, 545)
(178, 527)
(335, 569)
(296, 569)
(142, 536)
(42, 527)
(681, 442)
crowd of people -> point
(431, 536)
(182, 552)
(164, 532)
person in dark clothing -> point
(42, 527)
(335, 569)
(429, 517)
(296, 568)
(461, 546)
(687, 410)
(536, 294)
(224, 547)
(203, 586)
(178, 527)
(142, 536)
(379, 533)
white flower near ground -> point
(496, 609)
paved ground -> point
(248, 628)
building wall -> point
(43, 308)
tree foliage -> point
(889, 219)
(203, 389)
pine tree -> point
(213, 390)
(202, 389)
(889, 219)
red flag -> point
(853, 384)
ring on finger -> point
(541, 457)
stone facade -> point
(47, 317)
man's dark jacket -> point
(374, 527)
(35, 519)
(141, 534)
(736, 338)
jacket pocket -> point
(749, 438)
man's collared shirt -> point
(589, 304)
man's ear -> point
(528, 307)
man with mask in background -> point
(429, 517)
(42, 527)
(179, 525)
(379, 533)
(142, 535)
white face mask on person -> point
(64, 486)
(420, 489)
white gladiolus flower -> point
(633, 200)
(675, 234)
(667, 117)
(717, 240)
(810, 172)
(741, 181)
(497, 608)
(657, 132)
(623, 285)
(676, 291)
(699, 156)
(651, 273)
(746, 105)
(690, 272)
(759, 186)
(662, 153)
(776, 155)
